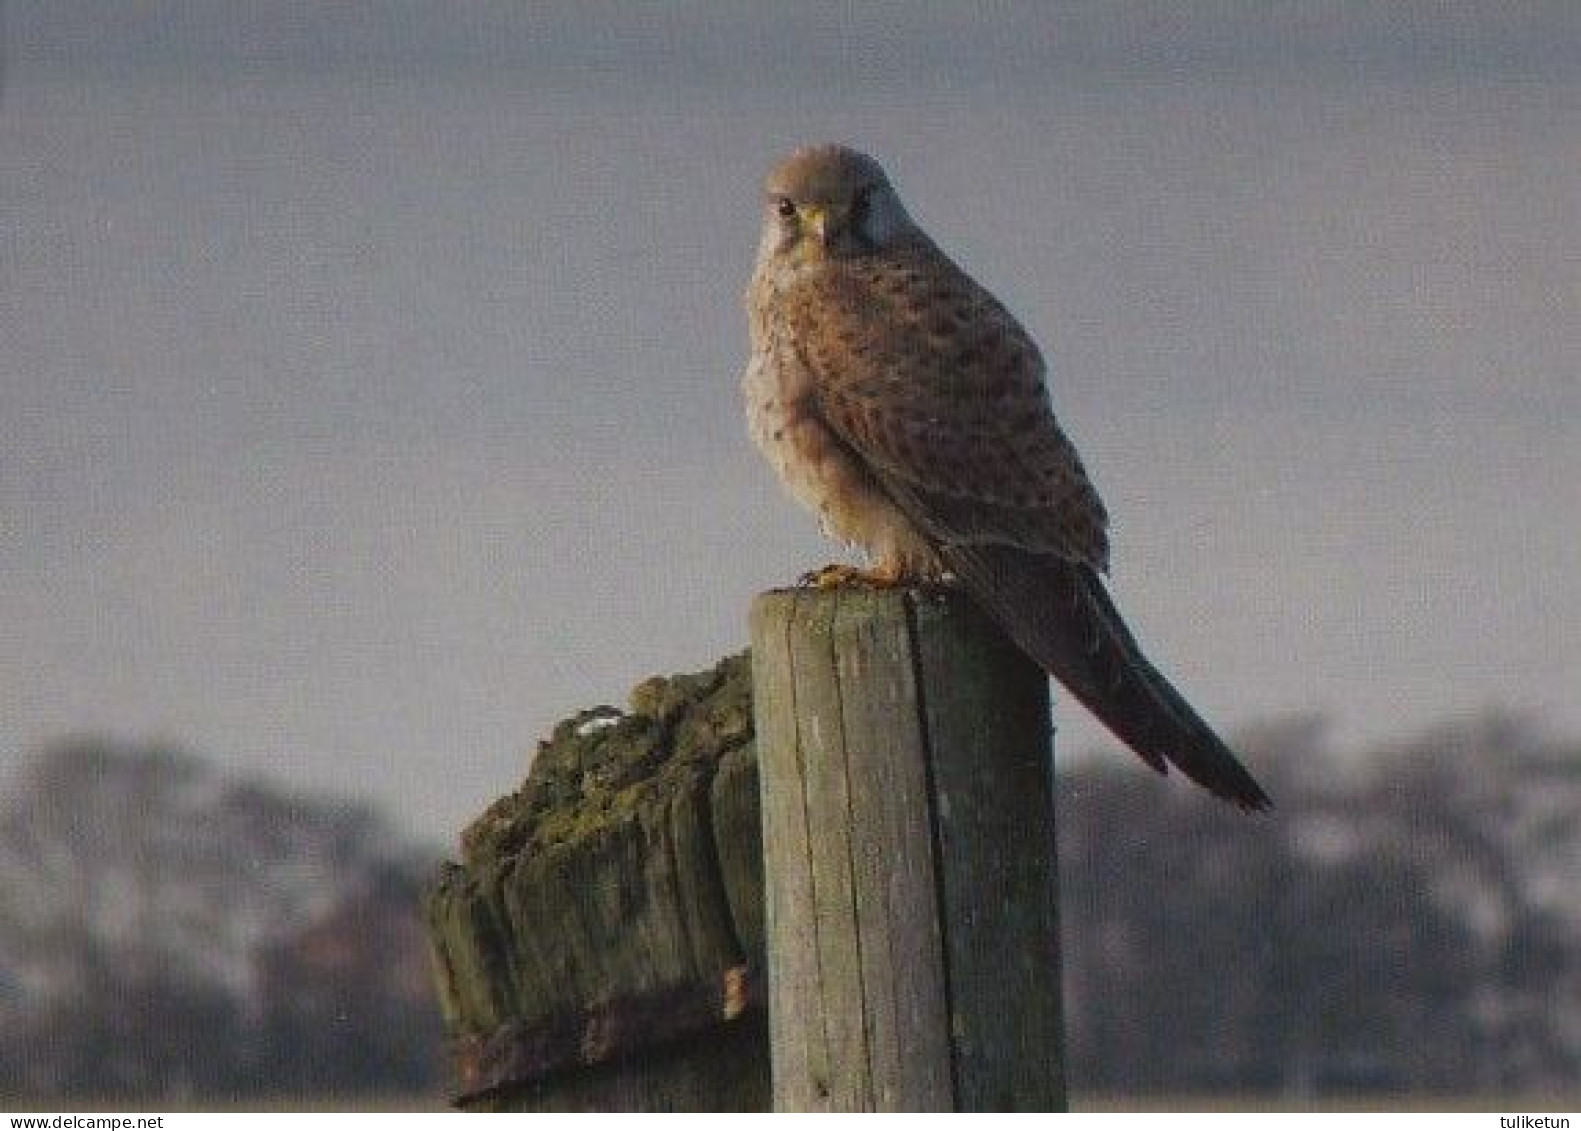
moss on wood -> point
(622, 868)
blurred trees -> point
(161, 925)
(1406, 919)
(348, 1001)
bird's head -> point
(831, 202)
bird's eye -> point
(786, 207)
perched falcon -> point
(904, 405)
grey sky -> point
(369, 370)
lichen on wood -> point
(621, 873)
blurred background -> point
(368, 392)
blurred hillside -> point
(1407, 920)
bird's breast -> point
(783, 422)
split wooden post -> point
(906, 769)
(597, 947)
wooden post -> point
(905, 761)
(597, 948)
(601, 944)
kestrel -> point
(905, 406)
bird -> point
(903, 404)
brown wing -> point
(940, 391)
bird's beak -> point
(817, 222)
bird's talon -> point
(839, 576)
(831, 576)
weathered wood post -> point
(597, 947)
(904, 752)
(600, 945)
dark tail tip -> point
(1060, 614)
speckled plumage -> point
(904, 404)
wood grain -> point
(906, 776)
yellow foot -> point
(837, 575)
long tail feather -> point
(1059, 613)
